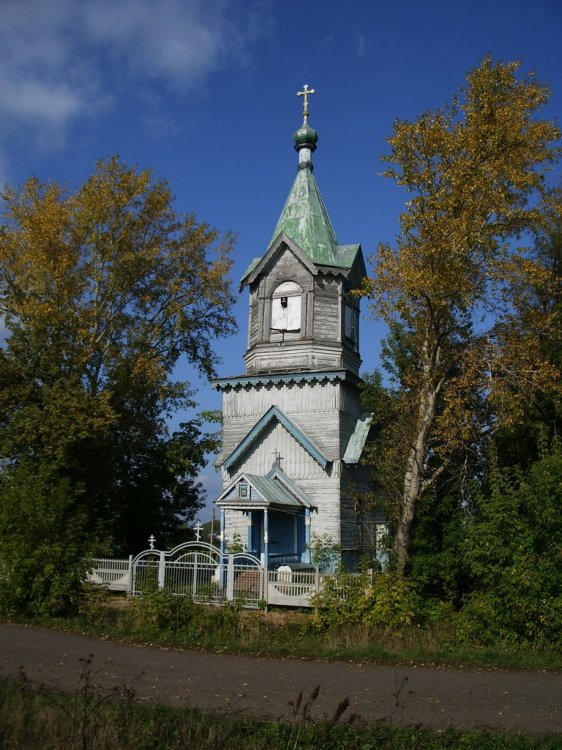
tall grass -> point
(92, 719)
(162, 618)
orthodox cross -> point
(306, 94)
(198, 531)
(151, 540)
(278, 458)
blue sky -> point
(204, 94)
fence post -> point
(195, 574)
(161, 569)
(130, 575)
(230, 579)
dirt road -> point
(434, 697)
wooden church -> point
(294, 428)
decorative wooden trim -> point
(275, 414)
(313, 376)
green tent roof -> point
(304, 219)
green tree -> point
(473, 170)
(102, 290)
(513, 551)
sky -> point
(204, 93)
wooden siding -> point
(287, 267)
(327, 325)
(253, 326)
(318, 344)
(236, 523)
(294, 398)
(315, 408)
(295, 462)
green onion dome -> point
(306, 136)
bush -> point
(514, 551)
(377, 599)
(161, 610)
(46, 538)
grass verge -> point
(32, 717)
(162, 619)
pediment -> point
(269, 258)
(272, 416)
(250, 492)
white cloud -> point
(65, 59)
(361, 46)
(53, 102)
(177, 41)
(39, 87)
(4, 172)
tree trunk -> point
(413, 478)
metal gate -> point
(196, 569)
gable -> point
(248, 491)
(274, 416)
(265, 264)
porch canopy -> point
(278, 513)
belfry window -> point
(286, 307)
(351, 316)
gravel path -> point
(436, 697)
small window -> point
(286, 307)
(242, 489)
(350, 322)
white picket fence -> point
(197, 570)
(115, 575)
(287, 588)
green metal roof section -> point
(253, 263)
(304, 219)
(274, 489)
(271, 415)
(357, 441)
(277, 473)
(346, 254)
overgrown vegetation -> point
(466, 455)
(393, 624)
(96, 719)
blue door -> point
(256, 541)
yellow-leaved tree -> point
(474, 170)
(102, 290)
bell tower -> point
(302, 315)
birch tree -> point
(473, 170)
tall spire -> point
(304, 218)
(306, 137)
